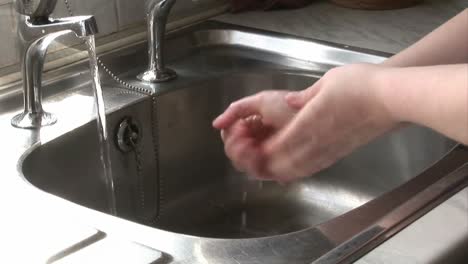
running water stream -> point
(256, 185)
(102, 126)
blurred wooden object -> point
(376, 4)
(243, 5)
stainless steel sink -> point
(180, 192)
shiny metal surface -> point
(128, 135)
(177, 191)
(157, 14)
(35, 37)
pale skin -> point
(284, 136)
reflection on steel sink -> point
(179, 180)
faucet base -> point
(33, 120)
(156, 76)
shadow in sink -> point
(178, 179)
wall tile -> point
(105, 12)
(194, 5)
(130, 12)
(8, 52)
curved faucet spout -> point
(35, 38)
(82, 26)
(160, 8)
(157, 15)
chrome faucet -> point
(36, 30)
(157, 14)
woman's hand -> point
(341, 112)
(336, 115)
(349, 107)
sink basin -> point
(180, 186)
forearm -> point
(448, 44)
(434, 96)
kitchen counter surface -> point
(440, 236)
(388, 31)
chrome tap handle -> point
(157, 15)
(35, 35)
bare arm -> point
(432, 96)
(347, 108)
(352, 105)
(447, 44)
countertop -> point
(440, 236)
(388, 31)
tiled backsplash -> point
(111, 16)
(8, 54)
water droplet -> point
(244, 219)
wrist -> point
(387, 94)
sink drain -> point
(128, 135)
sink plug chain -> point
(129, 140)
(122, 82)
(129, 132)
(108, 71)
(67, 5)
(140, 179)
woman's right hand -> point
(339, 113)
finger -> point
(232, 133)
(291, 161)
(238, 110)
(230, 149)
(309, 165)
(255, 125)
(298, 100)
(288, 151)
(241, 151)
(243, 156)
